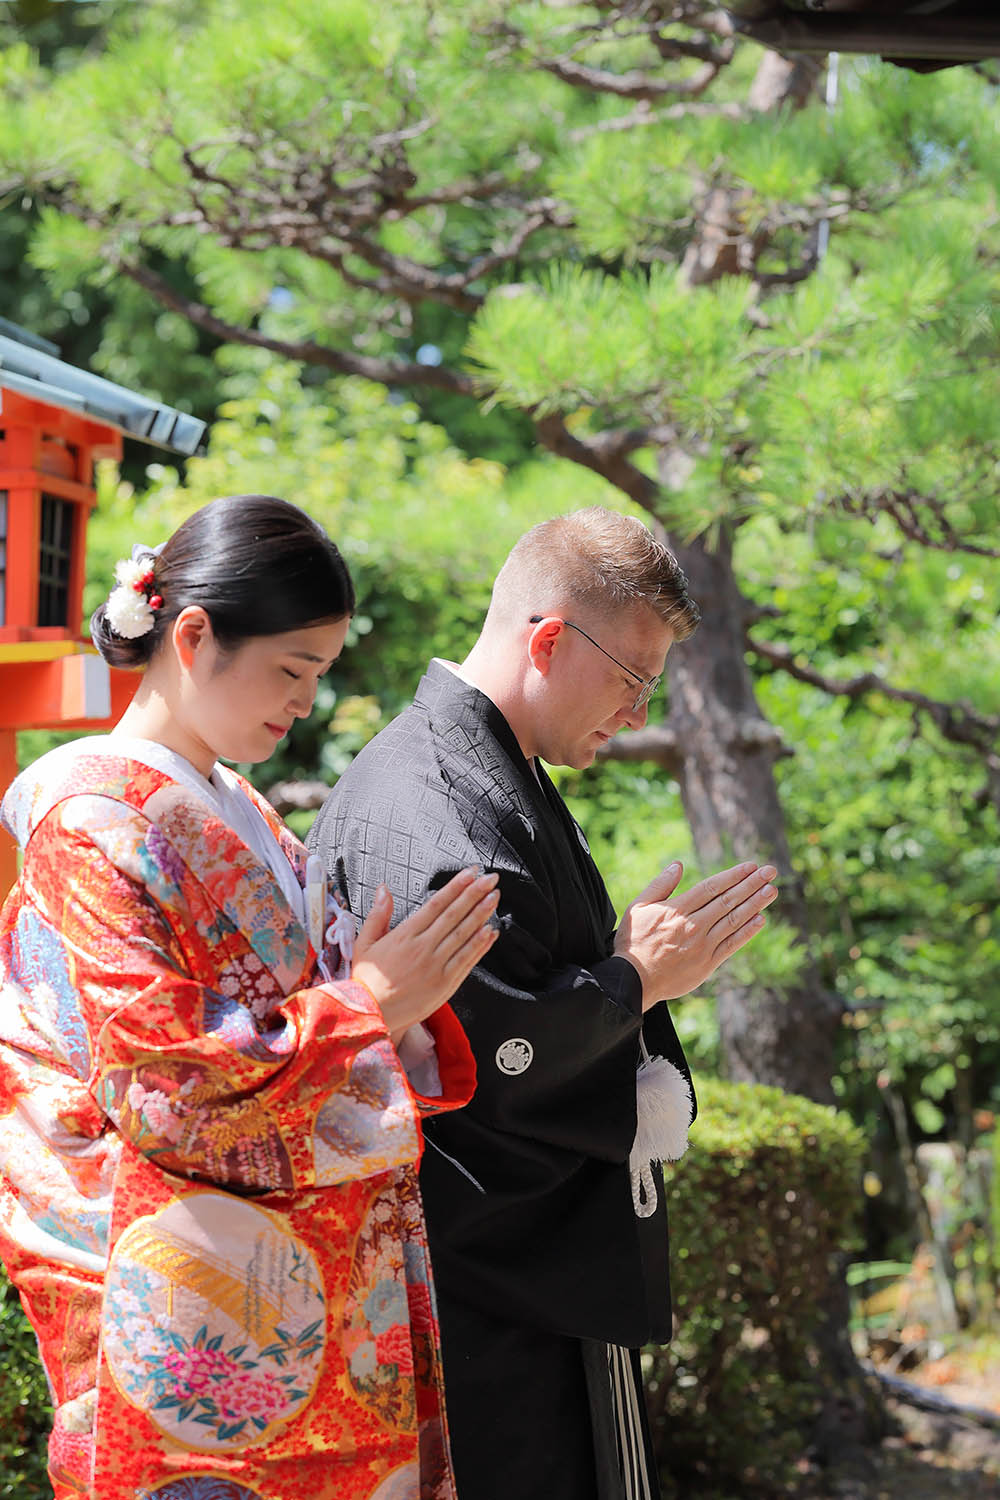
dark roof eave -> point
(32, 371)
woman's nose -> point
(302, 699)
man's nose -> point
(635, 718)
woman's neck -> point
(149, 717)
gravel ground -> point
(931, 1457)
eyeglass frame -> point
(649, 684)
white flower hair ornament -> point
(133, 602)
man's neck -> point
(479, 671)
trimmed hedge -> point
(25, 1410)
(762, 1208)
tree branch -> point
(957, 722)
(671, 13)
(545, 214)
(671, 47)
(631, 85)
(344, 362)
(643, 115)
(788, 277)
(905, 509)
(412, 280)
(606, 459)
(657, 742)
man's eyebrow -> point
(645, 675)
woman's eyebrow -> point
(308, 656)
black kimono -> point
(539, 1258)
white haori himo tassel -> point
(664, 1108)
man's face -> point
(584, 698)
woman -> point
(208, 1140)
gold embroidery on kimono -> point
(208, 1197)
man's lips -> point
(278, 729)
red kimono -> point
(209, 1199)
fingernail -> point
(673, 867)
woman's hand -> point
(416, 967)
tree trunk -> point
(728, 749)
(727, 780)
(782, 1037)
(726, 775)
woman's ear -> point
(190, 633)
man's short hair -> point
(596, 561)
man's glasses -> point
(648, 684)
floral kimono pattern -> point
(208, 1197)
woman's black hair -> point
(255, 564)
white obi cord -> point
(664, 1109)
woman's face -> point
(240, 704)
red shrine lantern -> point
(55, 422)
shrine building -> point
(56, 421)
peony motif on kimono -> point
(210, 1207)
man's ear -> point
(544, 641)
(190, 633)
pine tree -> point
(754, 314)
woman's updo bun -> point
(256, 565)
(120, 650)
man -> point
(550, 1262)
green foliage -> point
(25, 1409)
(762, 1207)
(898, 849)
(548, 346)
(423, 528)
(800, 414)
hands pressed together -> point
(416, 967)
(675, 944)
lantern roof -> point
(31, 366)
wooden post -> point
(8, 770)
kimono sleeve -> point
(557, 1041)
(303, 1091)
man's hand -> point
(676, 944)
